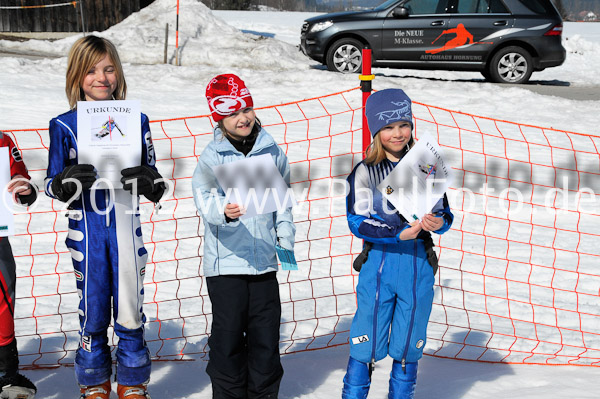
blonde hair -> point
(376, 153)
(84, 54)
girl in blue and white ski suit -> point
(395, 286)
(104, 235)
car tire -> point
(345, 56)
(511, 64)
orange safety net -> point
(516, 281)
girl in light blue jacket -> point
(240, 262)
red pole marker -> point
(177, 36)
(365, 86)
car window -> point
(496, 6)
(426, 6)
(385, 5)
(481, 6)
(538, 6)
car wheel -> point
(345, 56)
(511, 65)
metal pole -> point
(82, 21)
(166, 42)
(365, 86)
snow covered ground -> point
(264, 54)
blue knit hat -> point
(387, 106)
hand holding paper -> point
(412, 232)
(73, 178)
(234, 211)
(143, 180)
(430, 222)
(19, 185)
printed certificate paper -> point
(256, 184)
(419, 180)
(6, 210)
(109, 136)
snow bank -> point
(204, 39)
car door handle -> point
(437, 23)
(500, 23)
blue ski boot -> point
(403, 380)
(356, 381)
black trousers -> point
(244, 343)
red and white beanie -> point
(227, 94)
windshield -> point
(385, 5)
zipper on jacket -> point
(254, 233)
(379, 271)
(218, 266)
(414, 307)
(106, 209)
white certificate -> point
(109, 136)
(6, 207)
(255, 184)
(419, 180)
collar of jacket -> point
(263, 140)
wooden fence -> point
(64, 15)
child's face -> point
(100, 81)
(239, 124)
(394, 137)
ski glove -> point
(64, 185)
(30, 198)
(148, 181)
(362, 257)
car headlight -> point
(319, 26)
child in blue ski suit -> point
(105, 234)
(240, 264)
(395, 286)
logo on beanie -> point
(227, 94)
(228, 104)
(402, 112)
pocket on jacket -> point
(231, 244)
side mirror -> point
(400, 12)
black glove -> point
(149, 182)
(83, 173)
(362, 257)
(30, 198)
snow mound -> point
(204, 39)
(583, 56)
(576, 44)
